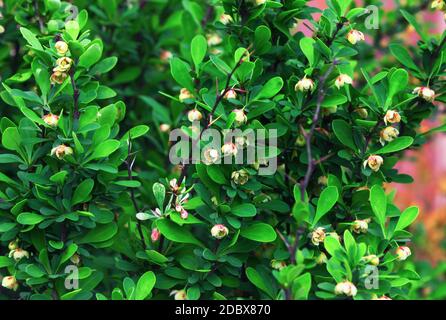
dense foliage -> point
(88, 192)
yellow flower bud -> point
(185, 94)
(213, 39)
(304, 85)
(374, 162)
(382, 298)
(392, 117)
(371, 259)
(388, 134)
(230, 94)
(194, 115)
(346, 288)
(318, 236)
(354, 36)
(321, 259)
(61, 151)
(322, 180)
(240, 117)
(61, 47)
(2, 29)
(438, 4)
(219, 231)
(13, 245)
(10, 282)
(51, 119)
(165, 55)
(343, 79)
(75, 259)
(403, 253)
(164, 127)
(362, 112)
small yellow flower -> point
(185, 94)
(226, 19)
(300, 140)
(403, 253)
(61, 47)
(219, 231)
(371, 259)
(51, 119)
(322, 180)
(304, 85)
(318, 236)
(426, 93)
(354, 36)
(10, 282)
(374, 162)
(388, 134)
(240, 117)
(240, 177)
(58, 77)
(392, 117)
(2, 29)
(61, 151)
(347, 288)
(63, 64)
(194, 115)
(179, 294)
(18, 254)
(343, 79)
(259, 2)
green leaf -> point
(216, 174)
(343, 131)
(244, 210)
(259, 231)
(99, 234)
(159, 191)
(11, 139)
(407, 218)
(175, 233)
(378, 201)
(396, 145)
(257, 280)
(68, 253)
(181, 73)
(307, 47)
(403, 56)
(90, 56)
(82, 192)
(145, 285)
(398, 82)
(198, 49)
(28, 218)
(104, 149)
(326, 201)
(72, 28)
(270, 89)
(333, 246)
(413, 21)
(31, 39)
(262, 37)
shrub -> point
(320, 226)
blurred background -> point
(426, 166)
